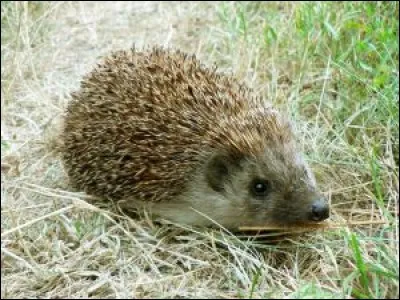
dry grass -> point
(313, 60)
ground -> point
(332, 67)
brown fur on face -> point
(160, 129)
(221, 191)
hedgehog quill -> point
(158, 129)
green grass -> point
(347, 56)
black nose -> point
(319, 210)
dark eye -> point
(260, 187)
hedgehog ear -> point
(218, 170)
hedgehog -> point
(157, 129)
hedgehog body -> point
(159, 129)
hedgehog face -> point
(276, 187)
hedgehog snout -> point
(319, 210)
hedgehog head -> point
(256, 176)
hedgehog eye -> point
(260, 187)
